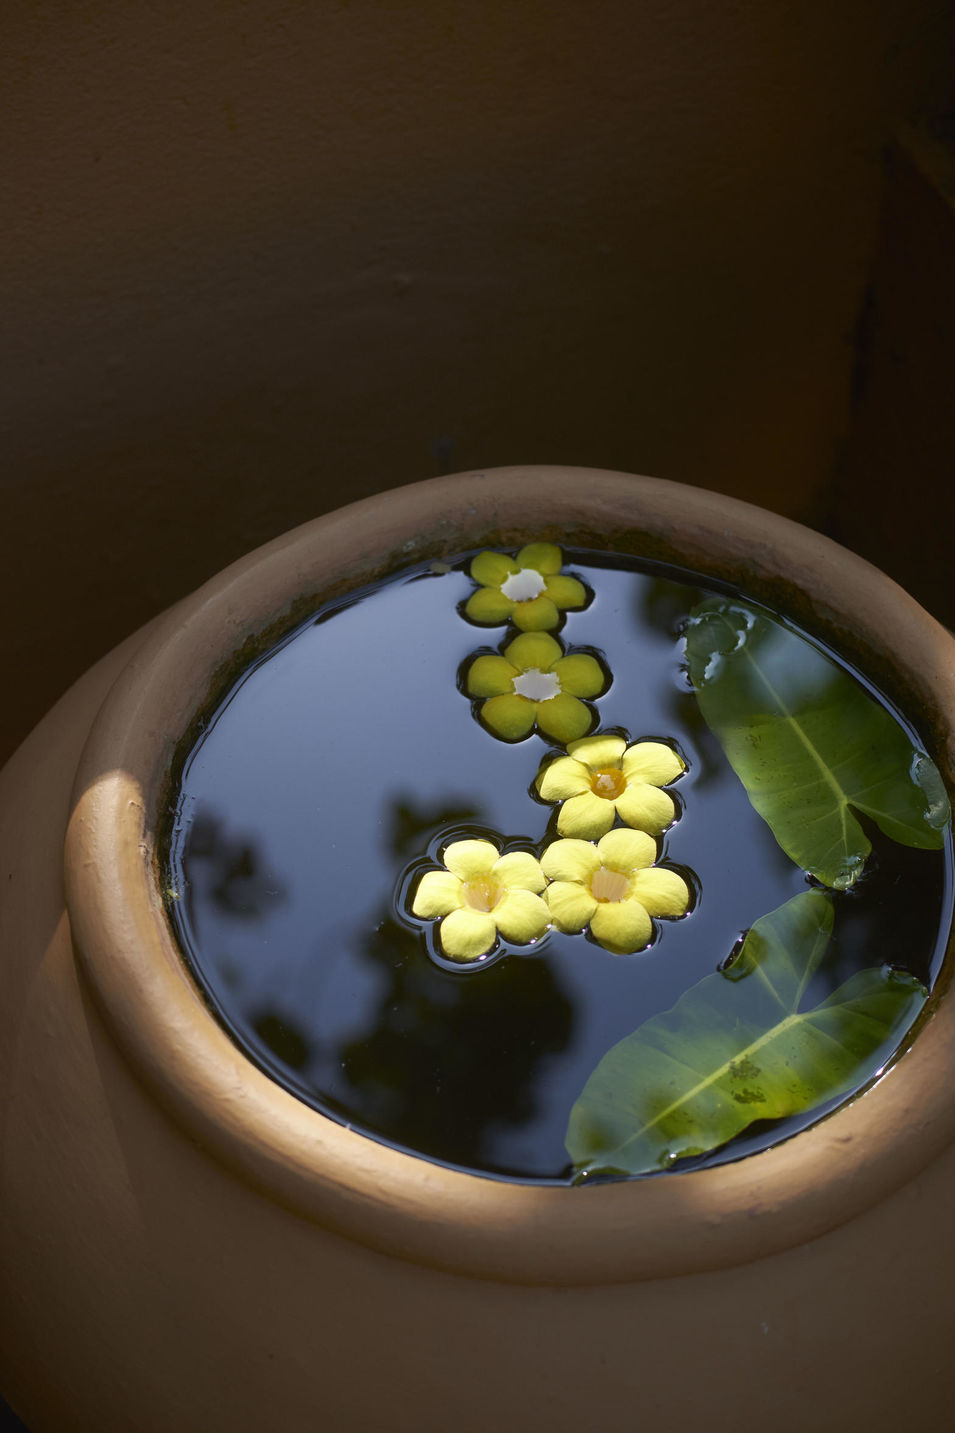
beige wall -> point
(257, 259)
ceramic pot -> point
(186, 1246)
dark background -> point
(258, 259)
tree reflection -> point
(286, 1041)
(447, 1058)
(439, 1061)
(450, 1057)
(228, 869)
(410, 826)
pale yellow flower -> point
(613, 887)
(480, 893)
(534, 683)
(528, 590)
(602, 777)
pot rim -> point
(397, 1203)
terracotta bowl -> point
(187, 1246)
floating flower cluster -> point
(598, 876)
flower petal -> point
(470, 859)
(489, 605)
(661, 892)
(598, 751)
(521, 916)
(564, 777)
(620, 926)
(490, 676)
(510, 717)
(438, 893)
(467, 934)
(534, 649)
(626, 851)
(652, 761)
(538, 614)
(519, 870)
(563, 717)
(580, 674)
(587, 815)
(544, 557)
(571, 906)
(492, 568)
(646, 807)
(565, 591)
(570, 861)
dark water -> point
(349, 754)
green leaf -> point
(809, 744)
(735, 1048)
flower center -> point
(523, 586)
(480, 894)
(608, 783)
(609, 885)
(536, 685)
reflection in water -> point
(362, 1021)
(661, 606)
(228, 869)
(316, 787)
(446, 1060)
(875, 918)
(411, 825)
(288, 1044)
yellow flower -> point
(534, 682)
(479, 893)
(603, 776)
(613, 887)
(528, 590)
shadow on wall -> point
(896, 501)
(9, 1422)
(255, 269)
